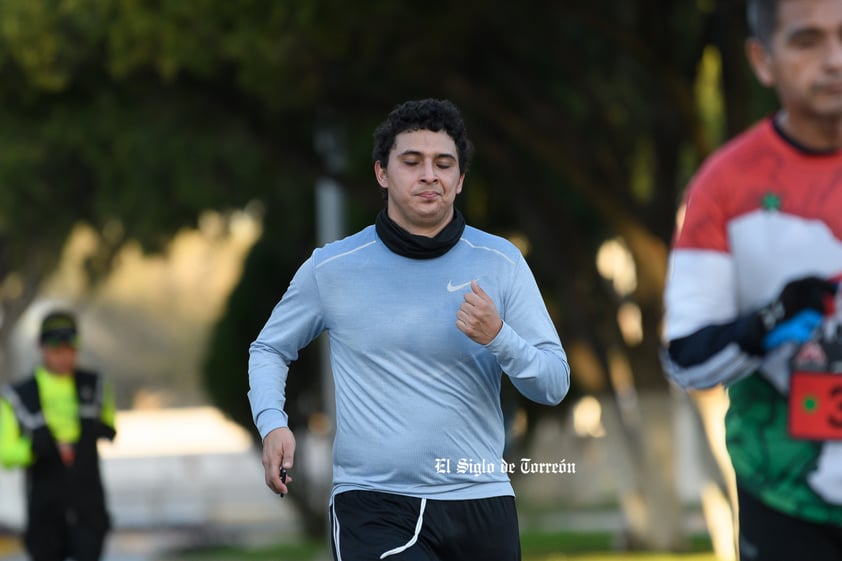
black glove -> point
(802, 294)
(807, 293)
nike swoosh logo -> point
(454, 287)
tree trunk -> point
(648, 496)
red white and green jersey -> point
(760, 212)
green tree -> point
(114, 115)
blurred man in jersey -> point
(752, 279)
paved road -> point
(122, 546)
(152, 544)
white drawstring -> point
(414, 539)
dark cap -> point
(59, 328)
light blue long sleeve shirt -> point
(412, 391)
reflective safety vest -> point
(51, 486)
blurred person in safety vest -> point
(50, 423)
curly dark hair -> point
(762, 19)
(425, 114)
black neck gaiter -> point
(419, 247)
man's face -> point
(804, 60)
(59, 358)
(423, 179)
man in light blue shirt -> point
(424, 315)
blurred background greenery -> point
(159, 162)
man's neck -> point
(814, 134)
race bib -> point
(815, 388)
(815, 406)
(815, 383)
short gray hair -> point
(762, 18)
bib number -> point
(815, 406)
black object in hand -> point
(807, 293)
(283, 480)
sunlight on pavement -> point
(165, 432)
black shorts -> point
(369, 525)
(769, 535)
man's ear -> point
(761, 61)
(380, 174)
